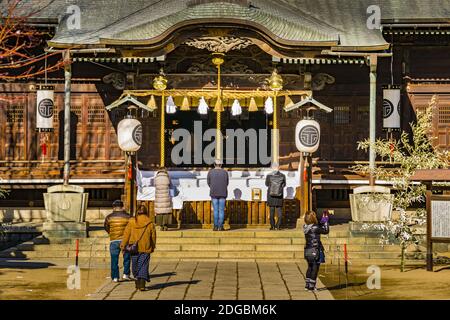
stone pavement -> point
(218, 280)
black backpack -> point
(276, 185)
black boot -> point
(312, 285)
(307, 284)
(141, 284)
(136, 283)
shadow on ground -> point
(23, 264)
(171, 284)
(167, 274)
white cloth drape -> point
(192, 185)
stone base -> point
(356, 229)
(65, 229)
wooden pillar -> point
(372, 116)
(67, 97)
(309, 182)
(275, 132)
(429, 256)
(162, 162)
(305, 187)
(130, 183)
(219, 135)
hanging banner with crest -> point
(391, 108)
(45, 108)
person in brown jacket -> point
(140, 230)
(115, 224)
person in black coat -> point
(275, 181)
(314, 250)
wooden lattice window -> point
(444, 114)
(15, 113)
(77, 110)
(56, 114)
(363, 113)
(342, 115)
(96, 114)
(322, 117)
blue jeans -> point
(219, 211)
(114, 250)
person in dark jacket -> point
(115, 224)
(275, 181)
(314, 250)
(218, 184)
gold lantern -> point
(160, 82)
(275, 81)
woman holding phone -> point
(314, 250)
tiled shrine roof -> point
(341, 25)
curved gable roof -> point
(338, 23)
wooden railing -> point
(52, 169)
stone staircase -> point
(232, 245)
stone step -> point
(213, 245)
(201, 233)
(205, 252)
(220, 240)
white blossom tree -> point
(408, 154)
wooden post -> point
(219, 135)
(304, 186)
(309, 182)
(275, 133)
(130, 183)
(133, 190)
(299, 194)
(162, 162)
(67, 97)
(372, 115)
(429, 242)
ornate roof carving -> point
(219, 44)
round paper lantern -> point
(307, 136)
(129, 134)
(45, 109)
(391, 108)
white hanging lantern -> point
(170, 105)
(391, 108)
(307, 136)
(129, 134)
(236, 108)
(268, 105)
(45, 109)
(202, 106)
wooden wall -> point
(420, 95)
(93, 135)
(237, 213)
